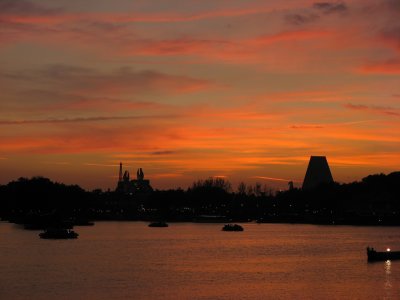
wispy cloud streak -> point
(79, 120)
(374, 109)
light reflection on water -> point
(388, 265)
(388, 282)
(128, 260)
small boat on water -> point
(232, 227)
(158, 224)
(374, 255)
(58, 233)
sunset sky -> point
(247, 90)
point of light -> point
(388, 249)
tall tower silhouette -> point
(135, 186)
(120, 172)
(317, 172)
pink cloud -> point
(290, 36)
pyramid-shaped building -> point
(317, 172)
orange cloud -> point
(101, 165)
(237, 51)
(376, 159)
(197, 91)
(290, 36)
(306, 126)
(388, 67)
(166, 175)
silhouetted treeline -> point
(373, 201)
(38, 196)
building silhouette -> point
(291, 186)
(317, 172)
(134, 186)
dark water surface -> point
(128, 260)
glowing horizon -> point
(186, 91)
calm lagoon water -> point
(128, 260)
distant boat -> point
(374, 255)
(58, 233)
(158, 224)
(232, 227)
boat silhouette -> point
(374, 255)
(232, 227)
(158, 224)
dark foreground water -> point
(128, 260)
